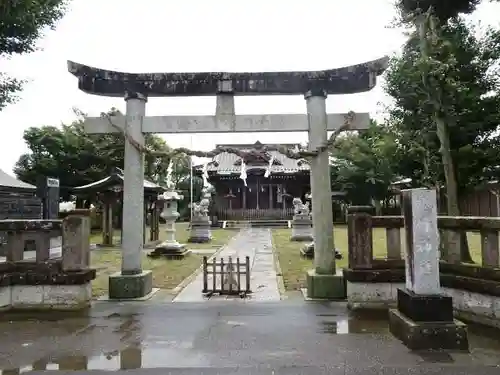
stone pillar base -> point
(302, 227)
(170, 250)
(426, 322)
(428, 335)
(425, 308)
(199, 239)
(130, 286)
(200, 232)
(325, 286)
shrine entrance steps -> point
(243, 224)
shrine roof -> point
(115, 179)
(7, 181)
(227, 163)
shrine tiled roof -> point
(7, 181)
(226, 163)
(115, 179)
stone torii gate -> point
(133, 281)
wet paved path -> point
(255, 243)
(227, 337)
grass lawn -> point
(294, 267)
(167, 274)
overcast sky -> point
(200, 35)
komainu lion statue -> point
(299, 207)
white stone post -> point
(424, 318)
(324, 254)
(422, 241)
(133, 187)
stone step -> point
(240, 224)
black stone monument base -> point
(425, 308)
(428, 335)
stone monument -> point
(301, 222)
(170, 248)
(200, 223)
(424, 317)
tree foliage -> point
(22, 24)
(363, 164)
(445, 88)
(442, 9)
(78, 158)
(462, 84)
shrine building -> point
(272, 181)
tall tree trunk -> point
(453, 240)
(458, 239)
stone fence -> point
(372, 281)
(42, 282)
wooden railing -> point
(361, 243)
(255, 214)
(375, 257)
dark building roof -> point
(114, 179)
(226, 163)
(7, 181)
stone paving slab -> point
(256, 243)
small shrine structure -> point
(108, 194)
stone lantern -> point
(170, 248)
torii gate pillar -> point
(321, 281)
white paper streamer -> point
(243, 174)
(268, 170)
(168, 177)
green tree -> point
(364, 164)
(78, 158)
(22, 24)
(446, 99)
(184, 188)
(443, 10)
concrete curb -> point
(279, 273)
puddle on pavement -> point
(484, 342)
(136, 352)
(374, 322)
(131, 358)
